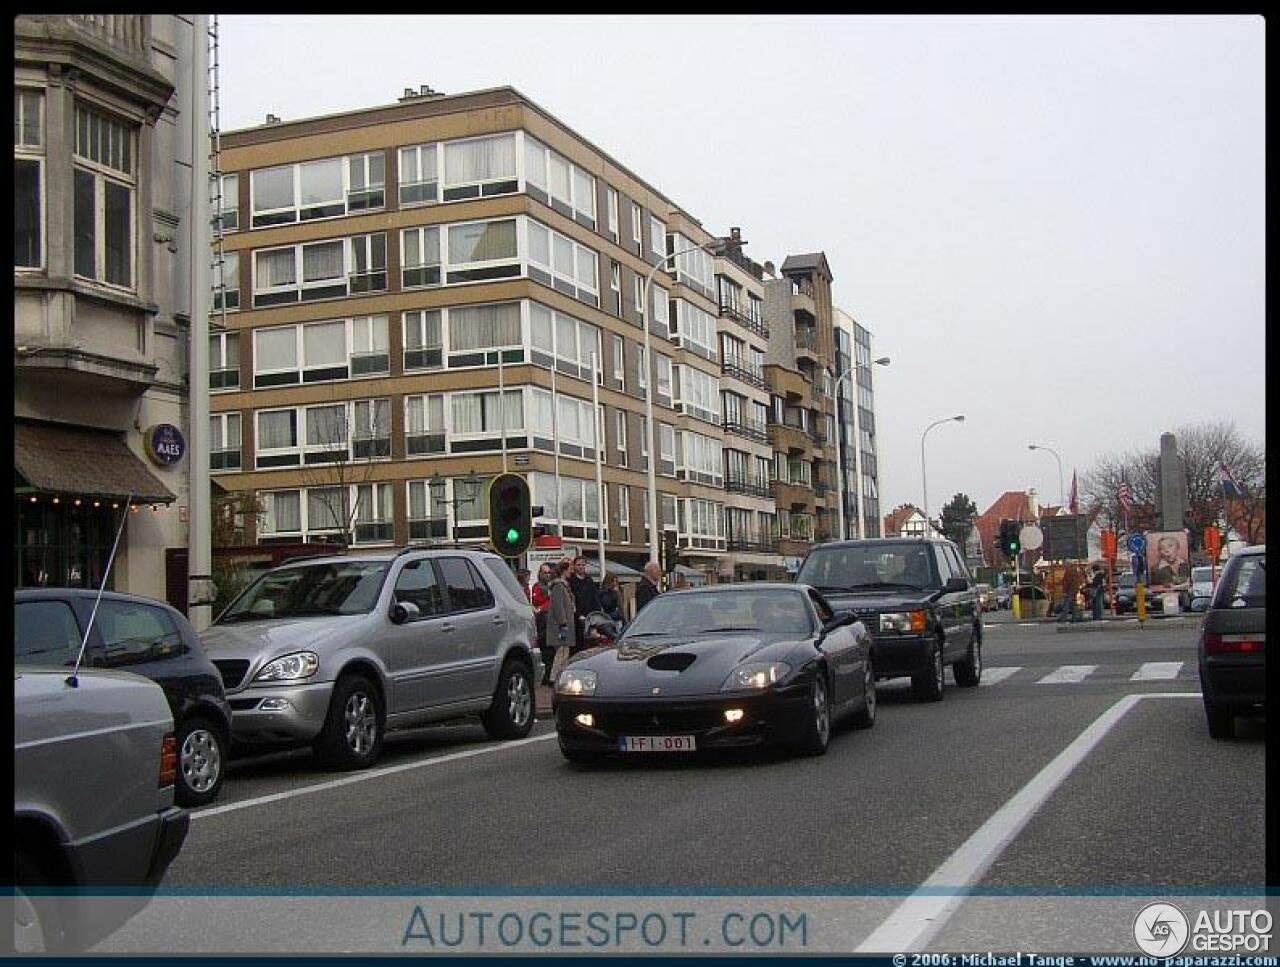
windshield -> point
(778, 611)
(1244, 585)
(869, 566)
(337, 587)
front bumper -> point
(300, 720)
(778, 716)
(897, 655)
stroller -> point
(600, 630)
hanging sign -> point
(165, 444)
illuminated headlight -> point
(756, 675)
(288, 668)
(586, 720)
(733, 715)
(902, 621)
(573, 682)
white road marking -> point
(1068, 675)
(366, 776)
(919, 917)
(991, 676)
(1154, 671)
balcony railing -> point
(806, 338)
(127, 30)
(744, 318)
(753, 545)
(759, 432)
(749, 484)
(753, 375)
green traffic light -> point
(513, 535)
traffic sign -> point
(1109, 544)
(1137, 544)
(1031, 537)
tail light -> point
(168, 760)
(1233, 644)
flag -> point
(1123, 496)
(1231, 487)
(1074, 506)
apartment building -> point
(858, 451)
(420, 294)
(102, 159)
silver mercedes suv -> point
(333, 651)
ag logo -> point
(1161, 930)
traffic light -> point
(510, 515)
(668, 552)
(1009, 542)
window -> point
(698, 394)
(478, 333)
(416, 585)
(135, 633)
(666, 449)
(325, 188)
(224, 441)
(324, 351)
(45, 633)
(275, 357)
(419, 257)
(572, 420)
(561, 341)
(224, 360)
(642, 369)
(616, 343)
(624, 513)
(615, 286)
(662, 371)
(419, 176)
(637, 291)
(694, 267)
(226, 283)
(428, 510)
(476, 414)
(480, 166)
(576, 506)
(637, 231)
(701, 523)
(611, 204)
(482, 250)
(282, 512)
(327, 270)
(465, 587)
(228, 197)
(424, 424)
(371, 430)
(423, 348)
(28, 179)
(700, 459)
(657, 237)
(103, 184)
(367, 263)
(373, 523)
(695, 329)
(321, 351)
(560, 262)
(620, 435)
(277, 436)
(370, 348)
(659, 304)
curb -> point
(1117, 624)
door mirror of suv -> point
(956, 584)
(841, 618)
(402, 612)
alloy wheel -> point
(362, 723)
(519, 700)
(200, 760)
(821, 716)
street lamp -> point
(1061, 493)
(882, 361)
(924, 480)
(465, 490)
(716, 247)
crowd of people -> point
(564, 595)
(1082, 591)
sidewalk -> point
(542, 701)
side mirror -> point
(956, 584)
(403, 612)
(841, 618)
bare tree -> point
(342, 449)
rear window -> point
(45, 633)
(508, 580)
(135, 633)
(1244, 585)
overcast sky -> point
(1075, 202)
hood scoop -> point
(671, 661)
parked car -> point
(986, 597)
(94, 766)
(1004, 597)
(334, 651)
(1233, 643)
(1126, 593)
(148, 638)
(719, 668)
(916, 599)
(1203, 580)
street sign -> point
(1031, 537)
(1138, 564)
(1108, 538)
(1212, 542)
(537, 556)
(1137, 544)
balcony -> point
(786, 382)
(788, 437)
(740, 370)
(749, 484)
(128, 31)
(745, 318)
(750, 544)
(749, 429)
(806, 339)
(792, 496)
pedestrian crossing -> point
(1151, 671)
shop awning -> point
(74, 460)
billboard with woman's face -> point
(1168, 560)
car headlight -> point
(289, 668)
(902, 621)
(756, 675)
(575, 682)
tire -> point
(1222, 722)
(37, 927)
(865, 717)
(510, 716)
(928, 685)
(968, 672)
(352, 734)
(202, 762)
(817, 735)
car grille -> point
(660, 721)
(231, 670)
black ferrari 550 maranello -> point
(719, 668)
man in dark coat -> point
(586, 597)
(648, 589)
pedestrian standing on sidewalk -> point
(648, 589)
(586, 597)
(540, 596)
(1098, 585)
(610, 598)
(561, 618)
(1071, 582)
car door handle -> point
(499, 621)
(446, 626)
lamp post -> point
(924, 480)
(882, 361)
(472, 484)
(715, 247)
(1062, 497)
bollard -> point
(1015, 602)
(1140, 601)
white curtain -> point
(369, 334)
(572, 509)
(327, 426)
(275, 268)
(481, 159)
(539, 244)
(567, 418)
(322, 260)
(373, 503)
(540, 318)
(284, 512)
(273, 188)
(276, 430)
(559, 178)
(515, 411)
(426, 415)
(422, 329)
(563, 253)
(421, 247)
(540, 418)
(566, 337)
(584, 192)
(543, 487)
(467, 413)
(535, 163)
(482, 241)
(373, 418)
(325, 508)
(417, 164)
(324, 344)
(320, 181)
(587, 269)
(484, 327)
(231, 271)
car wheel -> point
(818, 734)
(865, 717)
(511, 714)
(1222, 723)
(352, 734)
(36, 927)
(927, 686)
(202, 759)
(969, 672)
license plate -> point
(656, 743)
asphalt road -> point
(1155, 805)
